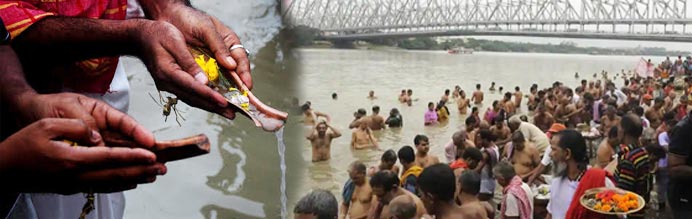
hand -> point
(65, 169)
(170, 63)
(203, 30)
(97, 115)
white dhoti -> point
(55, 206)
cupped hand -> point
(35, 159)
(97, 115)
(203, 30)
(173, 68)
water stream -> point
(282, 166)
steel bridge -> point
(656, 20)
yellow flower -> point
(209, 67)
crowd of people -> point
(629, 137)
(63, 84)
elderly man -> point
(459, 140)
(402, 207)
(532, 133)
(319, 204)
(385, 185)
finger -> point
(215, 43)
(196, 101)
(178, 50)
(90, 158)
(239, 55)
(71, 129)
(243, 69)
(109, 118)
(121, 176)
(78, 111)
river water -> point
(352, 73)
(241, 176)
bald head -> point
(402, 207)
(631, 125)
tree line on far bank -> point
(303, 36)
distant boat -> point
(460, 50)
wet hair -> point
(305, 107)
(333, 95)
(631, 125)
(505, 170)
(447, 91)
(419, 138)
(394, 110)
(361, 111)
(376, 109)
(487, 135)
(358, 167)
(472, 153)
(385, 179)
(575, 142)
(431, 104)
(320, 203)
(438, 180)
(508, 95)
(406, 155)
(516, 88)
(389, 156)
(474, 109)
(613, 133)
(471, 120)
(478, 86)
(470, 182)
(583, 81)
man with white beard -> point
(570, 174)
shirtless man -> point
(568, 112)
(403, 97)
(477, 97)
(492, 86)
(463, 103)
(357, 116)
(376, 121)
(501, 132)
(362, 137)
(387, 162)
(522, 154)
(518, 95)
(543, 120)
(609, 120)
(532, 98)
(655, 113)
(669, 102)
(469, 186)
(510, 108)
(361, 197)
(371, 95)
(423, 159)
(385, 185)
(606, 150)
(321, 140)
(310, 117)
(437, 184)
(445, 97)
(455, 92)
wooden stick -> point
(165, 150)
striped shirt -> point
(633, 172)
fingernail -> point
(95, 136)
(201, 77)
(231, 61)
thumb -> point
(72, 129)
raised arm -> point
(335, 132)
